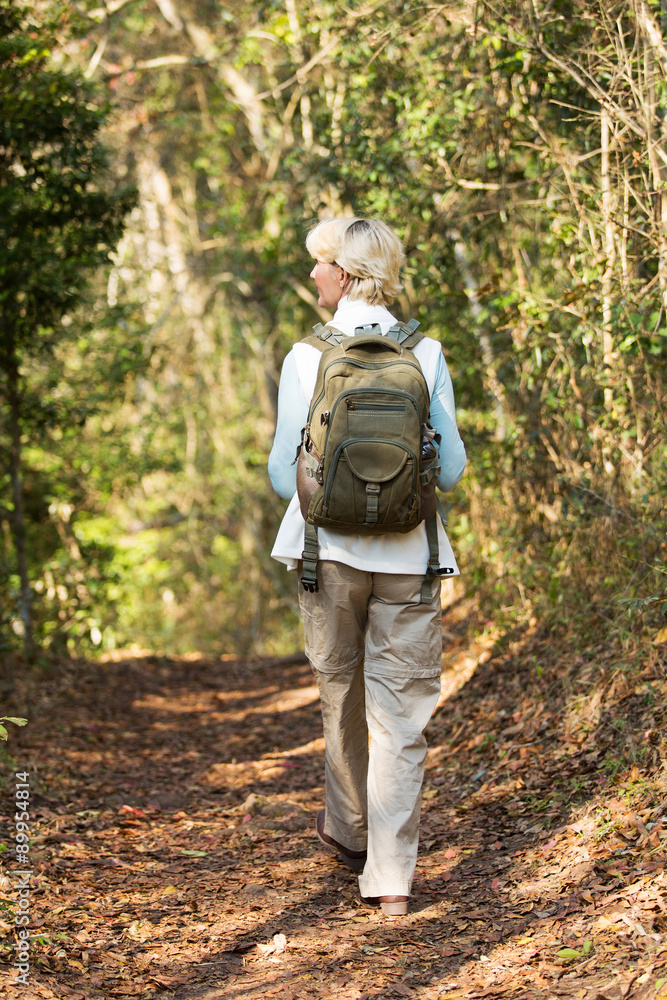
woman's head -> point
(367, 250)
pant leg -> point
(402, 680)
(334, 622)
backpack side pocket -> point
(308, 473)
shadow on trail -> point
(196, 788)
(127, 727)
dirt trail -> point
(172, 809)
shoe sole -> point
(395, 908)
(356, 864)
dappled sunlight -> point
(458, 666)
(234, 705)
(177, 832)
(161, 163)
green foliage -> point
(58, 224)
(149, 514)
(9, 718)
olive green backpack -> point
(368, 458)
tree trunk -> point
(17, 522)
(491, 381)
(610, 260)
(655, 68)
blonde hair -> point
(367, 249)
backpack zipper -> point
(409, 400)
(369, 366)
(345, 397)
(373, 406)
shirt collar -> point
(353, 313)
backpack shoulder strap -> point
(406, 334)
(324, 337)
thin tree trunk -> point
(609, 250)
(655, 56)
(492, 382)
(17, 522)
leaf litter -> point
(172, 813)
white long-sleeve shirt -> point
(390, 552)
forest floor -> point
(172, 805)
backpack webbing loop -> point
(433, 567)
(426, 593)
(309, 557)
(372, 503)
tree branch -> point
(650, 29)
(589, 84)
(300, 74)
(307, 296)
(103, 13)
(477, 185)
(243, 92)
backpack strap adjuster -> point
(309, 558)
(401, 332)
(328, 334)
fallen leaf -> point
(569, 954)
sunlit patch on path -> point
(174, 855)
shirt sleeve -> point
(292, 417)
(443, 418)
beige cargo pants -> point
(375, 652)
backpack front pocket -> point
(372, 485)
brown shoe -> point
(392, 906)
(353, 859)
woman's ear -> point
(344, 277)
